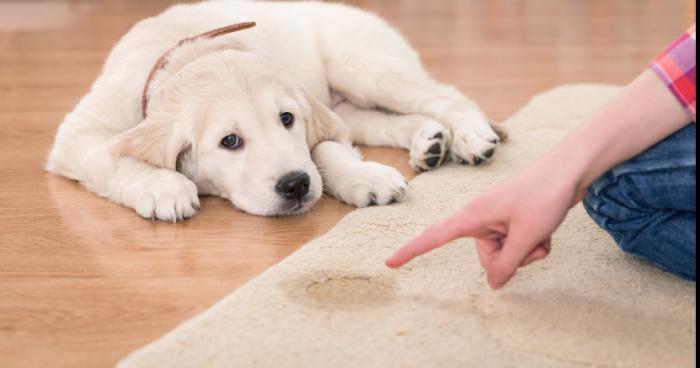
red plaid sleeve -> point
(676, 67)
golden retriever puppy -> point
(264, 116)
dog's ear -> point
(322, 124)
(155, 141)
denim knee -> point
(615, 211)
(648, 204)
(663, 237)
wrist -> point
(570, 168)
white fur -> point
(239, 84)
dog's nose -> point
(294, 185)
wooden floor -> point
(84, 281)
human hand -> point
(512, 224)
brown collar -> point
(163, 60)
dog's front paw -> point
(164, 195)
(374, 184)
(429, 146)
(474, 146)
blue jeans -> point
(648, 206)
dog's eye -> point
(232, 142)
(287, 119)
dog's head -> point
(239, 129)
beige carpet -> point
(334, 304)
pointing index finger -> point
(430, 239)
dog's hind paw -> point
(474, 146)
(429, 146)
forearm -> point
(644, 113)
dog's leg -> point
(427, 140)
(402, 86)
(351, 180)
(154, 193)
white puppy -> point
(249, 116)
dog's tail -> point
(500, 130)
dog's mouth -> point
(296, 207)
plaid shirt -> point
(676, 67)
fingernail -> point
(391, 264)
